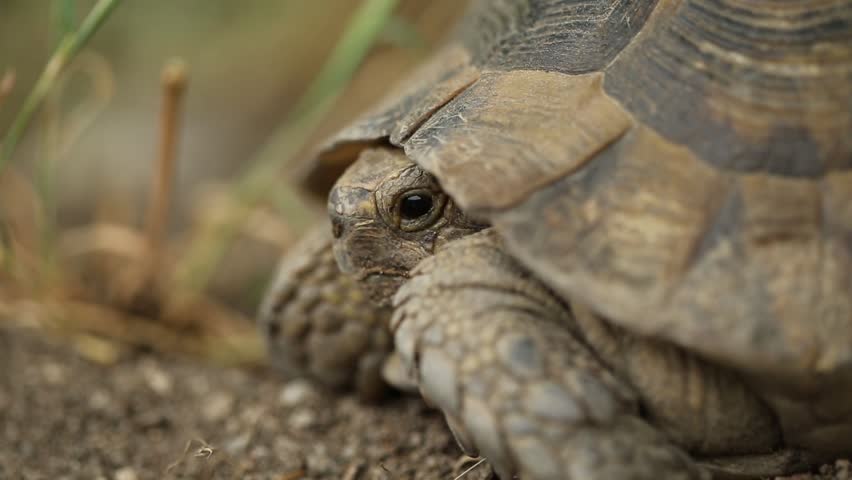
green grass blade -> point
(366, 25)
(68, 47)
(361, 33)
(66, 16)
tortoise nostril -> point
(336, 227)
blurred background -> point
(128, 346)
(76, 192)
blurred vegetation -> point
(267, 79)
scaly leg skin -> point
(319, 323)
(495, 351)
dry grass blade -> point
(353, 471)
(180, 460)
(294, 475)
(96, 70)
(472, 468)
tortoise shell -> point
(683, 168)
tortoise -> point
(613, 239)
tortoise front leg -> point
(501, 357)
(319, 323)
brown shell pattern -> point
(683, 167)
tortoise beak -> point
(349, 208)
(338, 226)
(359, 238)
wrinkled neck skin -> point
(387, 215)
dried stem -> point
(159, 204)
(68, 47)
(472, 468)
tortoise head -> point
(387, 214)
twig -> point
(173, 84)
(481, 460)
(68, 47)
(206, 451)
(293, 475)
(352, 471)
(180, 460)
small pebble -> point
(158, 380)
(98, 350)
(99, 400)
(126, 473)
(297, 392)
(252, 414)
(285, 447)
(260, 451)
(415, 440)
(237, 445)
(199, 385)
(319, 461)
(349, 450)
(217, 406)
(302, 419)
(53, 373)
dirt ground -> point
(152, 417)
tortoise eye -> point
(418, 209)
(415, 205)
